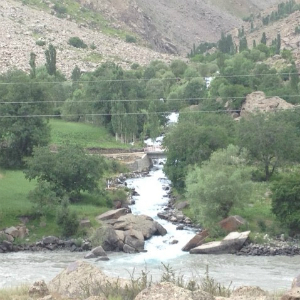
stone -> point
(81, 278)
(38, 289)
(296, 282)
(258, 102)
(96, 252)
(134, 239)
(293, 294)
(50, 240)
(196, 241)
(232, 223)
(13, 231)
(168, 290)
(232, 243)
(142, 223)
(182, 205)
(112, 214)
(249, 293)
(85, 223)
(128, 249)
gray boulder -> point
(80, 279)
(142, 223)
(232, 243)
(134, 239)
(196, 241)
(50, 240)
(112, 214)
(96, 252)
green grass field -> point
(14, 187)
(13, 196)
(85, 135)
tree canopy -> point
(69, 170)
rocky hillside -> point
(22, 26)
(174, 26)
(157, 27)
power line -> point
(148, 79)
(134, 113)
(135, 100)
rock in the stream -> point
(232, 243)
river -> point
(270, 273)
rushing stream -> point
(270, 273)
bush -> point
(93, 46)
(67, 219)
(60, 9)
(130, 39)
(43, 198)
(40, 43)
(286, 201)
(76, 42)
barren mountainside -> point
(174, 25)
(163, 29)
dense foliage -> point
(218, 185)
(68, 170)
(21, 126)
(286, 201)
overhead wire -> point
(148, 79)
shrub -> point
(93, 46)
(40, 43)
(286, 201)
(60, 9)
(76, 42)
(67, 219)
(130, 39)
(43, 198)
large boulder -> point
(142, 223)
(167, 290)
(110, 240)
(232, 223)
(258, 102)
(196, 241)
(81, 280)
(112, 214)
(232, 243)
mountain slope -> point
(21, 26)
(174, 25)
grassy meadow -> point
(14, 187)
(85, 135)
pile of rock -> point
(278, 248)
(50, 243)
(123, 231)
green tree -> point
(243, 44)
(218, 185)
(32, 64)
(192, 140)
(69, 170)
(286, 201)
(270, 139)
(21, 123)
(50, 54)
(264, 39)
